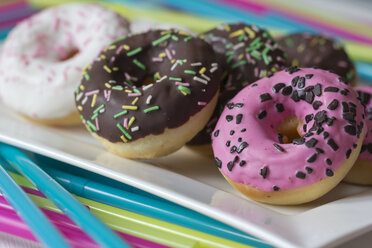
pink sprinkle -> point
(134, 94)
(97, 125)
(78, 68)
(173, 52)
(89, 93)
(256, 72)
(127, 76)
(112, 59)
(126, 123)
(65, 74)
(49, 79)
(119, 49)
(56, 24)
(168, 54)
(156, 59)
(342, 64)
(87, 41)
(105, 93)
(202, 103)
(183, 84)
(108, 95)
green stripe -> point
(139, 64)
(184, 89)
(134, 52)
(99, 108)
(123, 131)
(121, 113)
(151, 109)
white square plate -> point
(193, 181)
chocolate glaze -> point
(245, 44)
(118, 75)
(311, 50)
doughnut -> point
(290, 138)
(44, 55)
(147, 94)
(247, 54)
(361, 173)
(313, 50)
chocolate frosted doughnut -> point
(312, 50)
(290, 138)
(143, 88)
(247, 54)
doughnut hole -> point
(67, 54)
(290, 129)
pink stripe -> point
(246, 4)
(251, 7)
(92, 92)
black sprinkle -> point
(328, 161)
(309, 170)
(218, 162)
(350, 130)
(301, 82)
(348, 152)
(363, 149)
(311, 143)
(287, 90)
(265, 97)
(309, 117)
(233, 149)
(230, 165)
(295, 80)
(308, 76)
(281, 149)
(318, 90)
(280, 138)
(298, 141)
(263, 172)
(279, 107)
(331, 89)
(242, 146)
(295, 96)
(239, 118)
(355, 146)
(242, 163)
(329, 172)
(344, 92)
(300, 174)
(276, 188)
(276, 88)
(239, 105)
(262, 114)
(232, 132)
(345, 107)
(330, 121)
(333, 105)
(301, 94)
(319, 150)
(216, 133)
(308, 134)
(309, 97)
(240, 139)
(317, 104)
(325, 135)
(349, 116)
(243, 130)
(309, 88)
(312, 158)
(254, 85)
(332, 144)
(369, 147)
(230, 105)
(228, 143)
(229, 118)
(304, 127)
(292, 69)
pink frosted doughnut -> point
(361, 173)
(43, 57)
(290, 138)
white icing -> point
(33, 79)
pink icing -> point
(266, 167)
(367, 153)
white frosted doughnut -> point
(43, 57)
